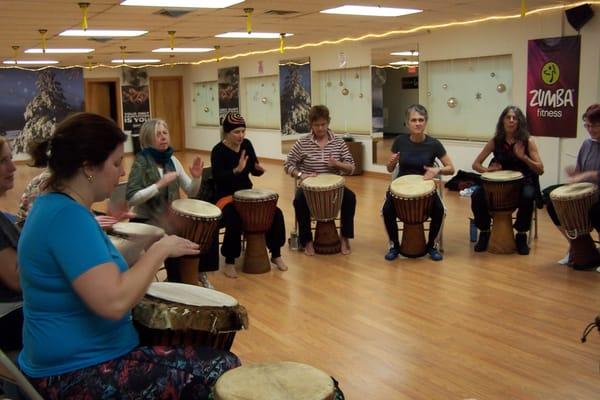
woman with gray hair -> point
(154, 182)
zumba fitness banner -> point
(552, 86)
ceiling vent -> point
(280, 13)
(174, 12)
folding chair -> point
(11, 374)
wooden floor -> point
(473, 326)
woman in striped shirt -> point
(316, 153)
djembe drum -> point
(180, 314)
(130, 250)
(324, 194)
(198, 221)
(143, 234)
(412, 197)
(572, 204)
(502, 193)
(256, 208)
(276, 381)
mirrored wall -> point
(395, 86)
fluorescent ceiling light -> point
(58, 51)
(372, 11)
(183, 50)
(135, 60)
(182, 3)
(102, 33)
(404, 63)
(30, 62)
(405, 53)
(252, 35)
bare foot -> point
(309, 249)
(278, 261)
(345, 245)
(229, 271)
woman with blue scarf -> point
(154, 182)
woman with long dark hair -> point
(513, 149)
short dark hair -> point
(80, 139)
(418, 108)
(592, 114)
(318, 112)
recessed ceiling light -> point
(102, 33)
(372, 11)
(252, 35)
(182, 3)
(58, 51)
(135, 60)
(404, 63)
(405, 53)
(29, 62)
(183, 50)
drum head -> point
(323, 182)
(133, 229)
(275, 381)
(254, 194)
(190, 295)
(573, 191)
(412, 186)
(501, 176)
(196, 208)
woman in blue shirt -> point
(78, 338)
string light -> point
(218, 58)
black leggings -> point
(482, 215)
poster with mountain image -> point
(33, 102)
(294, 83)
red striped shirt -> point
(307, 156)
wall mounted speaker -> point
(579, 16)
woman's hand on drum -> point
(430, 173)
(494, 167)
(120, 211)
(242, 163)
(106, 221)
(307, 175)
(587, 176)
(166, 179)
(333, 163)
(175, 246)
(197, 167)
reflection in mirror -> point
(395, 86)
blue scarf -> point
(161, 157)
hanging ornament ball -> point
(341, 83)
(205, 109)
(501, 88)
(445, 86)
(263, 100)
(429, 94)
(492, 74)
(360, 95)
(345, 91)
(452, 102)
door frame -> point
(117, 82)
(179, 79)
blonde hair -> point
(148, 131)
